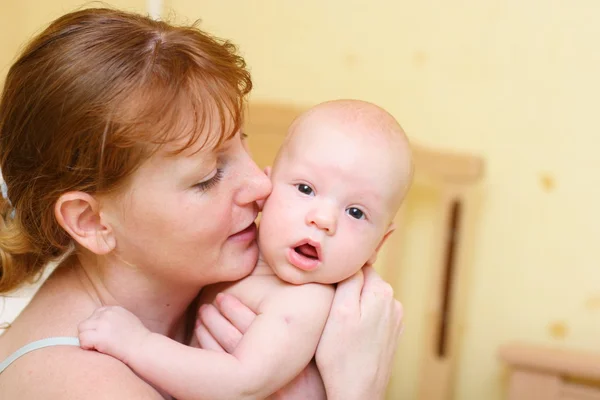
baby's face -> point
(334, 196)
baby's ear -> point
(391, 228)
(78, 213)
(268, 171)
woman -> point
(121, 148)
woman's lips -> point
(247, 235)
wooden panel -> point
(579, 364)
(531, 385)
(579, 392)
(264, 148)
(441, 331)
(266, 127)
(267, 123)
(540, 368)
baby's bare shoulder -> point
(306, 298)
(256, 290)
(251, 290)
(66, 372)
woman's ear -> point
(390, 230)
(79, 215)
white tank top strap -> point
(39, 344)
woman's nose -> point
(255, 185)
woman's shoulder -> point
(67, 372)
(62, 371)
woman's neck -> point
(160, 306)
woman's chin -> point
(242, 266)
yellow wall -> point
(514, 81)
(21, 19)
(9, 32)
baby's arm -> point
(278, 345)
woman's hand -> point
(220, 327)
(356, 351)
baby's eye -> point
(355, 213)
(304, 189)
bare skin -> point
(346, 155)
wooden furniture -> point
(545, 373)
(451, 174)
(455, 177)
(267, 125)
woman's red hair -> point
(87, 102)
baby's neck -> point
(262, 268)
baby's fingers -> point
(87, 325)
(88, 339)
(227, 335)
(235, 311)
(206, 340)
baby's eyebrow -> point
(370, 195)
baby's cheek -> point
(360, 249)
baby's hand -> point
(113, 331)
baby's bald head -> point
(358, 114)
(360, 120)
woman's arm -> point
(356, 350)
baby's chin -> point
(296, 276)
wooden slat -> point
(579, 392)
(437, 367)
(267, 123)
(447, 167)
(532, 385)
(579, 364)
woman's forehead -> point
(191, 136)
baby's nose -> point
(323, 218)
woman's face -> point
(189, 218)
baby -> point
(338, 181)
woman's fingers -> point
(373, 283)
(346, 300)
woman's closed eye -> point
(211, 182)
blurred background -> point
(514, 84)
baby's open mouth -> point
(307, 251)
(305, 255)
